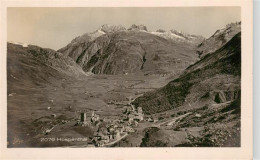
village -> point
(109, 132)
(106, 131)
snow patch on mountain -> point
(179, 36)
(19, 43)
(168, 35)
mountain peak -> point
(138, 27)
(218, 39)
(111, 28)
(160, 31)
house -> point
(100, 143)
(97, 136)
(94, 117)
(100, 139)
(150, 119)
(131, 116)
(129, 124)
(111, 129)
(103, 130)
(105, 138)
(121, 129)
(155, 120)
(131, 120)
(139, 110)
(136, 123)
(117, 134)
(110, 136)
(86, 124)
(198, 115)
(84, 120)
(83, 117)
(129, 129)
(139, 118)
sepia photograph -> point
(116, 80)
(123, 77)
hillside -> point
(213, 79)
(203, 104)
(39, 62)
(115, 50)
(33, 75)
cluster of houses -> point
(88, 121)
(151, 119)
(133, 116)
(110, 132)
(107, 132)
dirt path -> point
(172, 121)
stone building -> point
(94, 117)
(83, 117)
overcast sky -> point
(56, 27)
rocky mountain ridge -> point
(218, 39)
(179, 36)
(117, 50)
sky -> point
(55, 27)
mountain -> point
(218, 39)
(33, 64)
(115, 50)
(205, 98)
(75, 48)
(214, 79)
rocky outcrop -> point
(138, 28)
(160, 31)
(225, 96)
(110, 28)
(218, 39)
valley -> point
(67, 98)
(119, 87)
